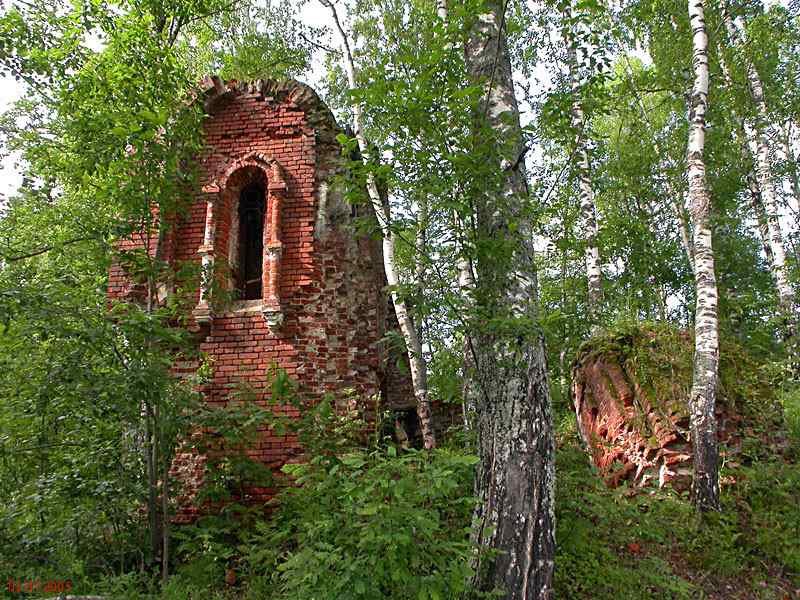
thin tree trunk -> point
(794, 186)
(421, 250)
(165, 519)
(515, 476)
(761, 218)
(756, 204)
(753, 190)
(683, 223)
(594, 276)
(151, 439)
(466, 287)
(702, 399)
(421, 247)
(757, 133)
(152, 493)
(418, 368)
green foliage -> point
(70, 452)
(370, 524)
(108, 135)
(250, 40)
(365, 523)
(354, 518)
(790, 398)
(595, 525)
(375, 523)
(92, 413)
(632, 544)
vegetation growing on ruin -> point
(556, 181)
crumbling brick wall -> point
(630, 390)
(324, 309)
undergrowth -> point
(627, 543)
(368, 521)
(386, 524)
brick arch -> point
(222, 225)
(271, 169)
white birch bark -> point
(757, 133)
(594, 275)
(441, 10)
(702, 399)
(753, 189)
(421, 252)
(679, 208)
(515, 476)
(418, 367)
(754, 193)
(466, 286)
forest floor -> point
(620, 544)
(648, 543)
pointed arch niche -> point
(242, 246)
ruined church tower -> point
(272, 224)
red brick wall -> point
(331, 282)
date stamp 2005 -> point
(37, 585)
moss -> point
(658, 359)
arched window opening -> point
(251, 242)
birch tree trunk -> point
(753, 190)
(702, 399)
(421, 251)
(418, 367)
(594, 275)
(757, 133)
(466, 286)
(761, 218)
(515, 476)
(794, 186)
(679, 208)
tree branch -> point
(45, 249)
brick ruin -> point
(630, 392)
(272, 224)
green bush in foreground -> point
(369, 525)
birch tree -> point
(676, 199)
(702, 399)
(464, 269)
(418, 367)
(594, 275)
(748, 162)
(791, 162)
(515, 477)
(757, 135)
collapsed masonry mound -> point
(630, 391)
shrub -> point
(359, 518)
(371, 524)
